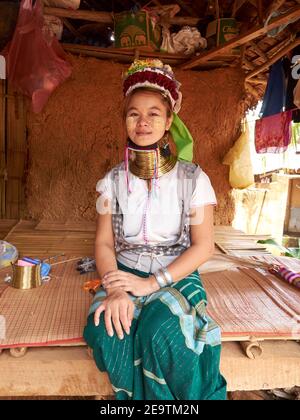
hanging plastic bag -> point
(239, 159)
(8, 254)
(167, 43)
(35, 59)
(188, 40)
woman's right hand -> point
(119, 310)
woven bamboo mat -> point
(248, 302)
(30, 241)
(244, 302)
(69, 225)
(53, 314)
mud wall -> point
(79, 136)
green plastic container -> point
(221, 31)
(136, 30)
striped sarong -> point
(172, 351)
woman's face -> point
(146, 118)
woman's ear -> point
(169, 122)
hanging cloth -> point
(182, 139)
(274, 99)
(273, 134)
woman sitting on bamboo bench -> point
(148, 326)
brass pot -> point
(27, 277)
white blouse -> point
(162, 209)
(151, 218)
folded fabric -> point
(273, 134)
(287, 275)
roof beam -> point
(106, 17)
(260, 11)
(101, 17)
(258, 51)
(258, 31)
(273, 60)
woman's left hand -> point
(137, 286)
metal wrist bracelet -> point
(159, 278)
(168, 276)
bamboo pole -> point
(122, 54)
(107, 18)
(252, 349)
(258, 51)
(252, 90)
(101, 17)
(260, 11)
(257, 81)
(3, 151)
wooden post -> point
(106, 17)
(2, 148)
(16, 154)
(260, 12)
(217, 9)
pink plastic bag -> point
(35, 59)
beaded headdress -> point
(154, 74)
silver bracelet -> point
(160, 279)
(167, 276)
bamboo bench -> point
(70, 371)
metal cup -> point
(27, 277)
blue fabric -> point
(274, 99)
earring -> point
(165, 148)
(165, 138)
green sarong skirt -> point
(172, 351)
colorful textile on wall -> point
(273, 134)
